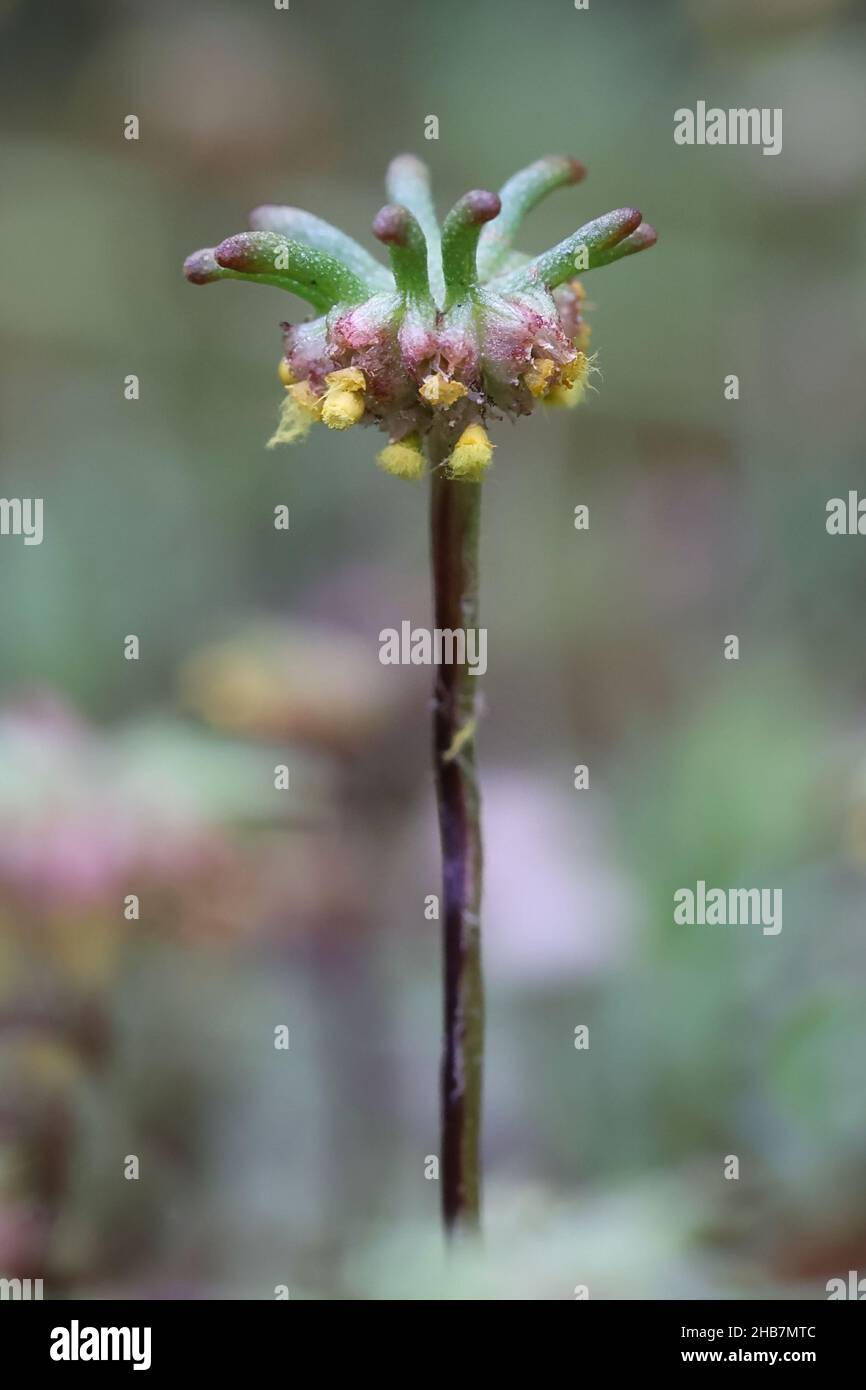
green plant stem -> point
(455, 511)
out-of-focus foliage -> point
(305, 908)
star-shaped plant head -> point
(462, 326)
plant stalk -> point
(455, 512)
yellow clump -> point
(346, 379)
(584, 335)
(568, 396)
(403, 459)
(472, 455)
(342, 409)
(574, 371)
(300, 409)
(285, 373)
(343, 405)
(537, 378)
(437, 390)
(573, 383)
(306, 399)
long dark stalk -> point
(455, 510)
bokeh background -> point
(155, 1037)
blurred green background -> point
(154, 1037)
